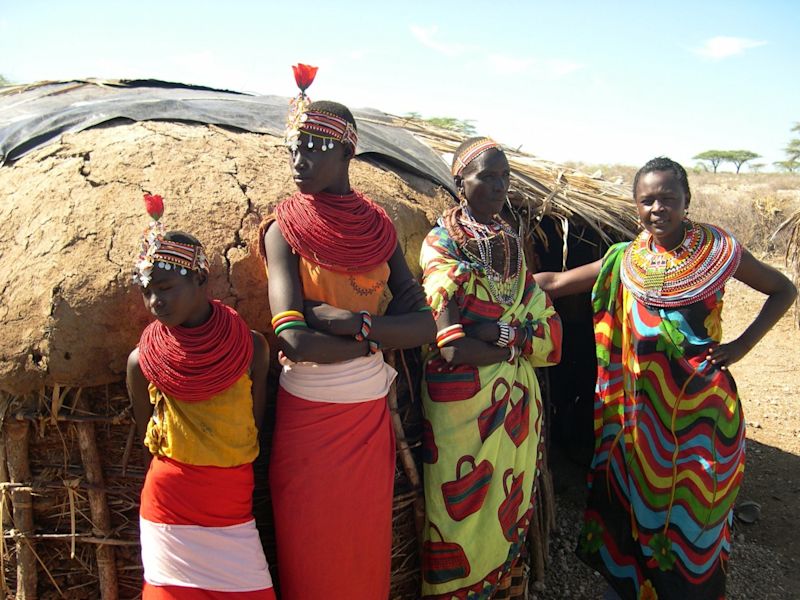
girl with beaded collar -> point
(332, 258)
(481, 398)
(197, 383)
(669, 428)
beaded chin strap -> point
(155, 251)
(325, 126)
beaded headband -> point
(155, 251)
(472, 152)
(329, 128)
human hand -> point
(487, 332)
(329, 319)
(724, 355)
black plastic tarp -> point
(37, 115)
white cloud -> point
(512, 65)
(427, 37)
(560, 66)
(721, 46)
(509, 65)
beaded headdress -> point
(470, 153)
(325, 126)
(155, 251)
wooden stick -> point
(101, 516)
(539, 556)
(406, 458)
(126, 456)
(4, 480)
(80, 538)
(19, 471)
(119, 419)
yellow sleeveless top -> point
(354, 292)
(218, 432)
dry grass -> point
(752, 206)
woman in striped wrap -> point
(670, 434)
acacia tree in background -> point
(714, 157)
(739, 157)
(793, 149)
(464, 126)
(790, 166)
(792, 162)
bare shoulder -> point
(133, 361)
(260, 343)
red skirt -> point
(198, 536)
(331, 479)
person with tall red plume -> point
(333, 260)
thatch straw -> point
(546, 188)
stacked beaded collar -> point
(472, 152)
(696, 269)
(345, 234)
(463, 228)
(195, 363)
(155, 251)
(320, 126)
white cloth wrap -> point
(220, 559)
(348, 382)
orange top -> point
(356, 291)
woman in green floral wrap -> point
(481, 399)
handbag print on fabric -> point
(430, 453)
(443, 561)
(517, 422)
(465, 495)
(507, 512)
(492, 417)
(448, 383)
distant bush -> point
(751, 205)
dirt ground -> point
(765, 562)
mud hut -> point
(76, 157)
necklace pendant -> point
(655, 274)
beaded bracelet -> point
(504, 337)
(366, 326)
(449, 334)
(374, 347)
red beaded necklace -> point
(346, 234)
(195, 363)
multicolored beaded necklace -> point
(692, 271)
(502, 286)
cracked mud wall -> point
(71, 215)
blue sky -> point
(599, 82)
